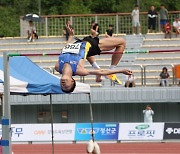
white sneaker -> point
(32, 40)
(134, 34)
(140, 34)
(29, 40)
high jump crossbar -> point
(108, 52)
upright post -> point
(71, 20)
(117, 24)
(96, 19)
(159, 26)
(6, 123)
(52, 121)
(46, 26)
(39, 7)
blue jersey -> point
(72, 54)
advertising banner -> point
(172, 131)
(102, 131)
(30, 132)
(42, 132)
(141, 131)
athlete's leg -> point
(92, 61)
(110, 43)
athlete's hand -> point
(127, 72)
(70, 30)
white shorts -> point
(136, 23)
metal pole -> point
(144, 75)
(71, 20)
(138, 3)
(46, 26)
(117, 24)
(52, 121)
(142, 80)
(39, 6)
(21, 28)
(159, 26)
(6, 123)
(173, 74)
(96, 19)
(91, 116)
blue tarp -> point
(27, 77)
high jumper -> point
(71, 60)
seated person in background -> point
(109, 31)
(167, 29)
(176, 26)
(31, 32)
(130, 81)
(164, 75)
(95, 31)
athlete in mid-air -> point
(71, 60)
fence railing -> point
(158, 67)
(143, 72)
(54, 25)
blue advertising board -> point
(102, 131)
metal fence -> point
(54, 25)
(145, 75)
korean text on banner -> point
(141, 131)
(42, 132)
(102, 131)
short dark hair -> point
(136, 5)
(162, 5)
(71, 89)
(165, 68)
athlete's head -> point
(67, 84)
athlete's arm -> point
(108, 72)
(57, 66)
(71, 33)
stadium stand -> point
(138, 62)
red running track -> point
(106, 148)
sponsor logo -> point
(39, 132)
(142, 126)
(169, 130)
(173, 130)
(87, 130)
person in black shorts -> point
(71, 60)
(95, 30)
(152, 15)
(109, 31)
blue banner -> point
(102, 131)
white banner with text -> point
(141, 131)
(42, 132)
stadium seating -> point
(134, 61)
(156, 41)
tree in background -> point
(75, 7)
(12, 9)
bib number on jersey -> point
(72, 48)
